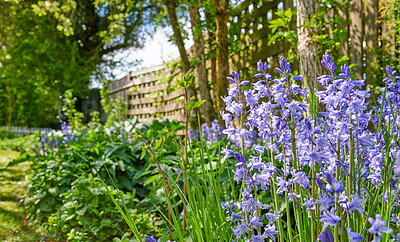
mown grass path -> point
(13, 226)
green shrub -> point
(7, 134)
(27, 143)
(87, 216)
(65, 193)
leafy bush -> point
(66, 195)
(27, 143)
(7, 134)
(86, 215)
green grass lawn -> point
(13, 225)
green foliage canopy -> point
(50, 46)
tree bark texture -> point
(177, 33)
(344, 44)
(181, 46)
(306, 47)
(356, 36)
(371, 32)
(210, 18)
(207, 108)
(221, 19)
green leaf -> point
(198, 104)
(124, 182)
(95, 201)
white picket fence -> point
(22, 131)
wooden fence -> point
(22, 131)
(148, 92)
(148, 98)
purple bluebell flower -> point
(325, 202)
(326, 236)
(353, 236)
(255, 221)
(337, 186)
(302, 179)
(310, 204)
(269, 232)
(237, 216)
(355, 204)
(240, 229)
(328, 63)
(378, 226)
(396, 238)
(329, 218)
(282, 185)
(151, 239)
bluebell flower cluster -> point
(212, 133)
(215, 132)
(150, 238)
(67, 132)
(330, 166)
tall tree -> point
(49, 46)
(221, 19)
(211, 40)
(207, 109)
(173, 19)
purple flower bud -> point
(389, 70)
(260, 66)
(297, 78)
(243, 83)
(345, 71)
(230, 79)
(235, 75)
(237, 216)
(279, 70)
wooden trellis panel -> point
(138, 87)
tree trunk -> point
(11, 105)
(356, 35)
(207, 108)
(344, 44)
(371, 37)
(221, 19)
(306, 47)
(210, 19)
(182, 51)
